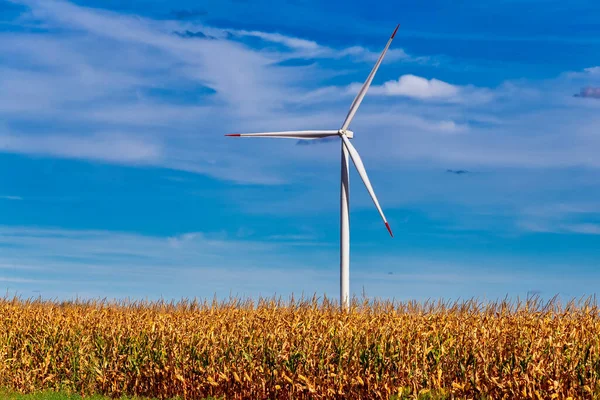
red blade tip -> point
(395, 30)
(234, 134)
(389, 229)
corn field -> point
(302, 349)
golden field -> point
(302, 349)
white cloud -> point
(451, 127)
(310, 49)
(84, 88)
(60, 263)
(418, 87)
(214, 63)
(292, 42)
(583, 228)
(584, 75)
(559, 210)
(564, 217)
(16, 198)
(118, 264)
(103, 147)
(21, 280)
(550, 226)
(89, 93)
(593, 70)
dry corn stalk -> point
(301, 349)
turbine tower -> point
(348, 151)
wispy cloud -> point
(119, 88)
(118, 264)
(15, 198)
(586, 73)
(104, 147)
(291, 42)
(568, 228)
(562, 209)
(587, 229)
(562, 218)
(311, 49)
(64, 263)
(593, 70)
(27, 281)
(86, 83)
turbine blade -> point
(289, 134)
(363, 90)
(365, 178)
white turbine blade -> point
(289, 134)
(363, 174)
(363, 90)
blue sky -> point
(117, 180)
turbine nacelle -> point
(349, 134)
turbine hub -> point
(347, 133)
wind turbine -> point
(347, 149)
